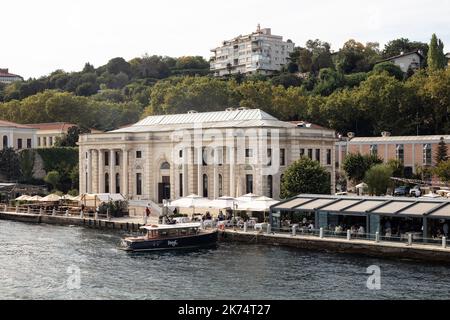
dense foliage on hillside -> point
(346, 91)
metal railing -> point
(408, 239)
(48, 211)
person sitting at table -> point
(221, 216)
(338, 230)
(361, 231)
(311, 226)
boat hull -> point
(189, 242)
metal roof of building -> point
(408, 207)
(399, 139)
(217, 119)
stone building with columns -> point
(213, 154)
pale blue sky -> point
(38, 37)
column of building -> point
(124, 189)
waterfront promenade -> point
(321, 241)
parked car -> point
(402, 191)
(415, 192)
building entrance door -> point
(164, 189)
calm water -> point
(34, 262)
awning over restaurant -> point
(315, 204)
(383, 206)
(291, 204)
(341, 204)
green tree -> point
(397, 46)
(53, 178)
(26, 160)
(442, 170)
(356, 165)
(378, 179)
(441, 153)
(357, 57)
(436, 56)
(390, 68)
(70, 139)
(305, 176)
(397, 168)
(9, 164)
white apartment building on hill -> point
(258, 52)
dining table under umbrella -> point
(192, 201)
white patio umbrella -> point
(50, 198)
(34, 198)
(190, 201)
(259, 204)
(247, 197)
(22, 198)
(68, 197)
(223, 203)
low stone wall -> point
(361, 247)
(73, 221)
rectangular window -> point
(318, 155)
(19, 144)
(116, 156)
(374, 150)
(39, 141)
(50, 141)
(302, 152)
(427, 155)
(139, 184)
(106, 158)
(400, 153)
(282, 157)
(138, 154)
(45, 142)
(248, 153)
(249, 183)
(269, 157)
(310, 153)
(29, 143)
(181, 184)
(204, 163)
(180, 153)
(328, 157)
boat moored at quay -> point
(160, 237)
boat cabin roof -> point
(154, 227)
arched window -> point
(106, 182)
(117, 183)
(5, 142)
(270, 186)
(205, 186)
(165, 166)
(220, 186)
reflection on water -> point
(34, 262)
